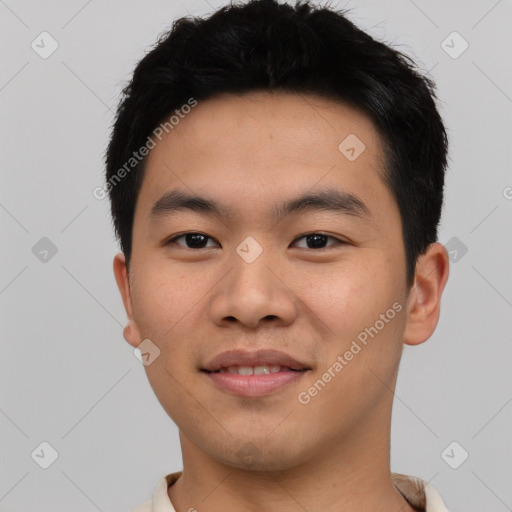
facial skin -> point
(252, 152)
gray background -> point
(67, 376)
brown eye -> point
(318, 241)
(193, 240)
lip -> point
(254, 385)
(253, 358)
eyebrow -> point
(334, 200)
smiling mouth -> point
(256, 370)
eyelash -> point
(177, 237)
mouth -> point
(263, 361)
(253, 374)
(255, 370)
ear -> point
(424, 301)
(131, 331)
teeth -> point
(250, 370)
(261, 370)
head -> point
(306, 161)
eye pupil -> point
(318, 240)
(193, 239)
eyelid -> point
(339, 241)
(310, 233)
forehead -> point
(253, 122)
(260, 144)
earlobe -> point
(424, 302)
(130, 332)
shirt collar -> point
(418, 493)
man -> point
(276, 180)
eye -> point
(318, 240)
(192, 239)
(195, 240)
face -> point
(321, 280)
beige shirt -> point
(416, 491)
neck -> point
(354, 475)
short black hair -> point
(266, 46)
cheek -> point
(163, 296)
(169, 310)
(362, 310)
(348, 296)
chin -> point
(259, 455)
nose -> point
(254, 294)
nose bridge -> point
(252, 290)
(251, 270)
